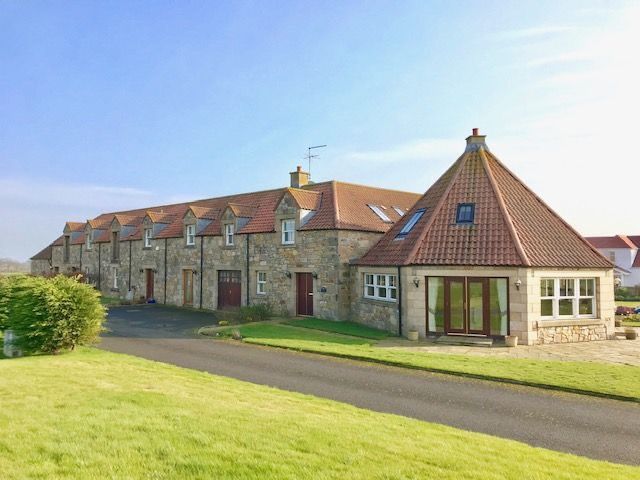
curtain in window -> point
(504, 307)
(436, 304)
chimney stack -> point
(475, 141)
(299, 178)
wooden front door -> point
(304, 294)
(229, 288)
(466, 305)
(149, 280)
(187, 287)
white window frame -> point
(381, 287)
(148, 234)
(89, 241)
(575, 298)
(261, 283)
(288, 231)
(114, 272)
(190, 233)
(399, 211)
(229, 235)
(377, 209)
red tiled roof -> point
(337, 205)
(306, 199)
(617, 241)
(75, 226)
(161, 217)
(635, 239)
(512, 226)
(242, 211)
(203, 212)
(44, 254)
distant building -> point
(624, 252)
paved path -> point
(597, 428)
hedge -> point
(50, 315)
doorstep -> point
(465, 340)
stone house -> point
(288, 247)
(481, 255)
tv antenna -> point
(309, 156)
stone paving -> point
(625, 352)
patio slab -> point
(624, 352)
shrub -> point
(50, 315)
(255, 313)
(223, 323)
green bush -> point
(255, 313)
(50, 315)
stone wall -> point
(40, 267)
(571, 333)
(374, 313)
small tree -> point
(52, 315)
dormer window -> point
(148, 232)
(417, 215)
(89, 241)
(288, 232)
(378, 211)
(228, 234)
(191, 235)
(465, 213)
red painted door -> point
(229, 288)
(150, 282)
(304, 294)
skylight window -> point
(465, 213)
(417, 215)
(378, 211)
(399, 211)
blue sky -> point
(116, 105)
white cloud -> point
(539, 31)
(406, 152)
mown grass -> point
(93, 414)
(110, 301)
(633, 304)
(345, 328)
(617, 381)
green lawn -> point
(593, 378)
(110, 301)
(93, 414)
(620, 303)
(346, 328)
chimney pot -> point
(299, 178)
(474, 132)
(299, 168)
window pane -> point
(546, 287)
(586, 306)
(436, 304)
(546, 308)
(371, 291)
(392, 293)
(498, 307)
(567, 287)
(456, 297)
(382, 292)
(368, 279)
(586, 287)
(565, 306)
(382, 280)
(392, 280)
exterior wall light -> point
(287, 274)
(416, 282)
(314, 275)
(518, 283)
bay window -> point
(380, 287)
(567, 298)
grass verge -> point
(621, 382)
(104, 415)
(345, 328)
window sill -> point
(570, 322)
(380, 301)
(190, 246)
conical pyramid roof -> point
(512, 226)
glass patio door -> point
(454, 304)
(466, 305)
